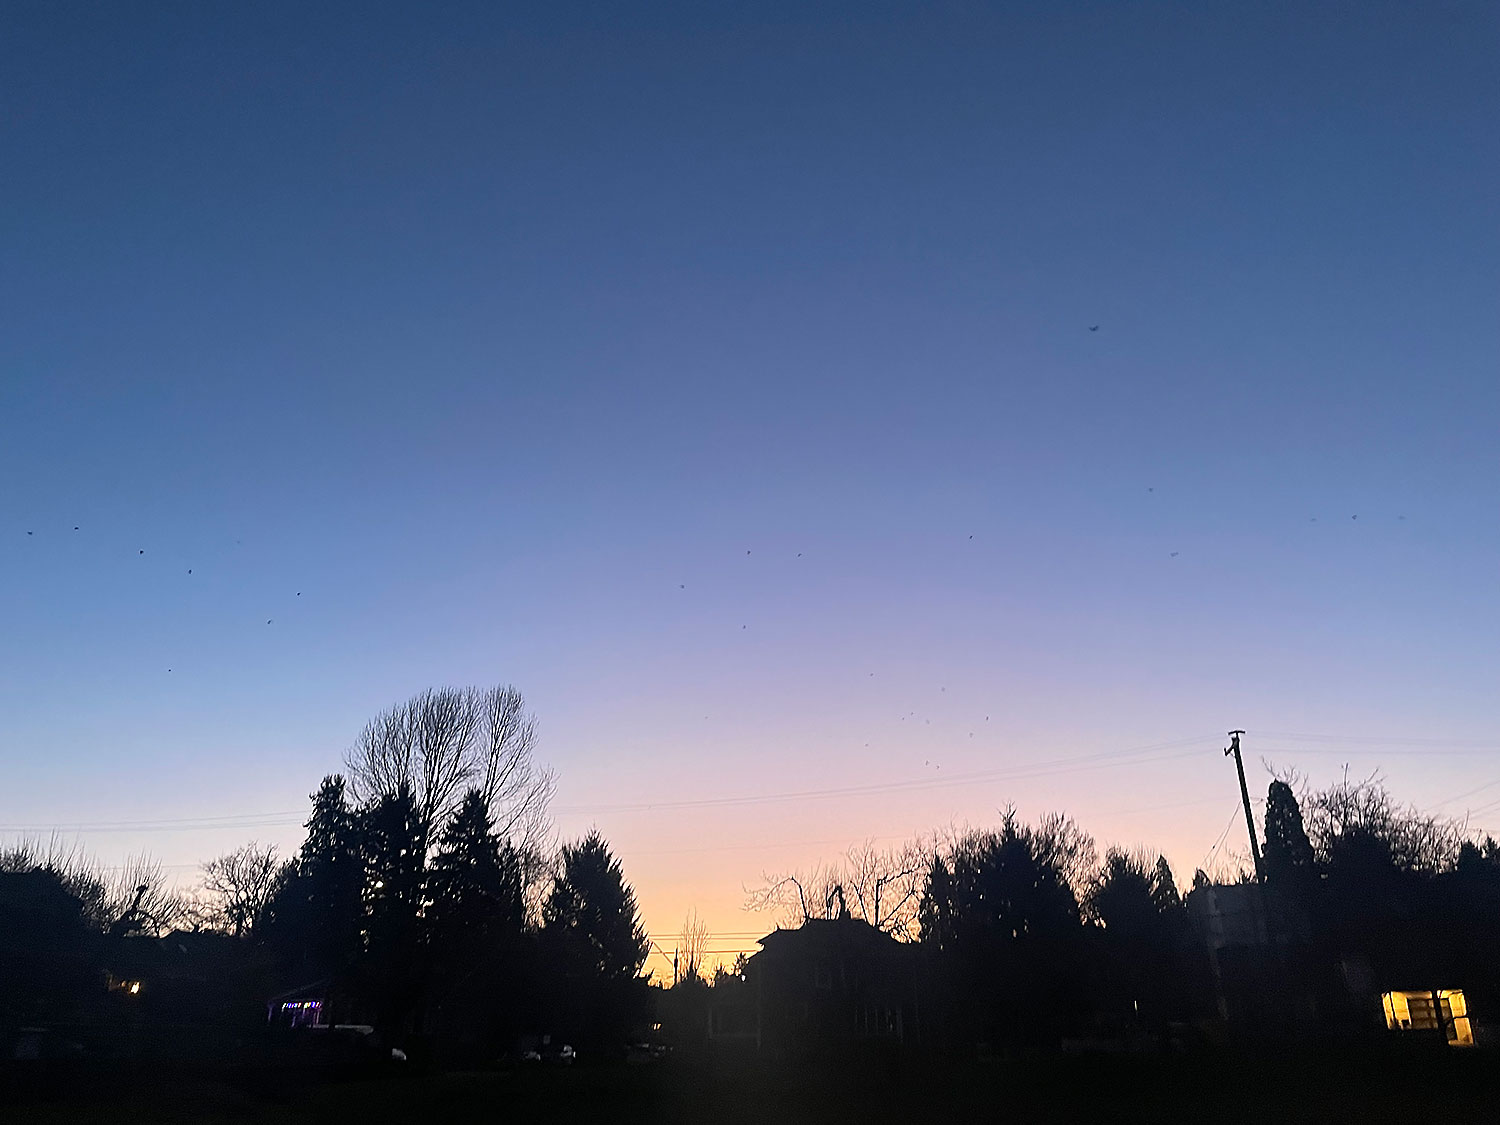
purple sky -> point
(724, 377)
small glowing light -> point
(135, 986)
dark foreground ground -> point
(1266, 1090)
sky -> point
(968, 404)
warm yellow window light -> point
(1416, 1011)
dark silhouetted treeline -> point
(425, 903)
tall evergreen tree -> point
(474, 882)
(938, 915)
(592, 910)
(316, 915)
(593, 937)
(1144, 940)
(1001, 908)
(1288, 853)
(475, 919)
(1164, 887)
(1123, 900)
(392, 967)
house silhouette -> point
(829, 985)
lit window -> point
(1415, 1011)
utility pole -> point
(1239, 765)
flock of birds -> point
(928, 763)
(31, 533)
(683, 585)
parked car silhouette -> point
(548, 1053)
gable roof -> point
(846, 934)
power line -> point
(206, 824)
(1466, 793)
(755, 847)
(193, 820)
(1484, 808)
(632, 854)
(1098, 760)
(1140, 755)
(1377, 740)
(1228, 824)
(1387, 751)
(1011, 773)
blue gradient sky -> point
(489, 330)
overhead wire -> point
(1224, 835)
(1100, 759)
(1140, 755)
(187, 824)
(1377, 740)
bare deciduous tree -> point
(887, 884)
(516, 788)
(134, 897)
(693, 958)
(141, 899)
(882, 886)
(1417, 841)
(237, 887)
(445, 741)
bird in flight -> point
(190, 570)
(1175, 554)
(31, 533)
(1354, 517)
(268, 621)
(1093, 328)
(140, 552)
